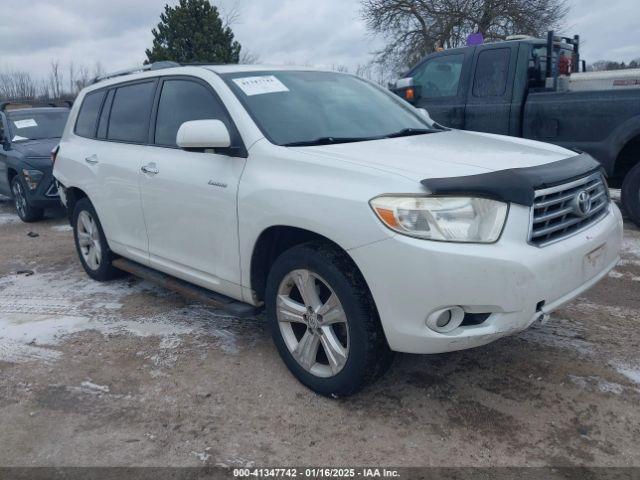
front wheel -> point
(324, 322)
(91, 244)
(631, 194)
(26, 212)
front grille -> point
(562, 211)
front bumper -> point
(46, 193)
(516, 283)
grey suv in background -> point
(27, 135)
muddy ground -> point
(127, 373)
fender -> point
(619, 138)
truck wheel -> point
(631, 194)
(26, 212)
(91, 244)
(324, 322)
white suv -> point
(359, 224)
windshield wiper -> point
(327, 141)
(407, 132)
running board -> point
(186, 289)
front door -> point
(189, 197)
(490, 93)
(439, 81)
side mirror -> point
(407, 89)
(425, 113)
(201, 134)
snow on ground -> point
(38, 311)
(62, 228)
(7, 218)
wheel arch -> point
(628, 157)
(73, 195)
(275, 240)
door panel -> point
(190, 212)
(490, 93)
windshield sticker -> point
(17, 138)
(260, 85)
(28, 123)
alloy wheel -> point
(313, 323)
(89, 240)
(19, 199)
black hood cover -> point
(515, 185)
(36, 148)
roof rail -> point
(141, 68)
(19, 104)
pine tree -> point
(192, 32)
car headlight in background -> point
(448, 219)
(32, 177)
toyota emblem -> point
(582, 204)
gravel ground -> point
(127, 373)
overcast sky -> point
(322, 32)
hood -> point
(36, 148)
(444, 154)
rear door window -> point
(88, 115)
(129, 118)
(492, 70)
(182, 101)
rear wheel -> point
(91, 244)
(631, 194)
(26, 212)
(324, 322)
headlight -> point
(32, 177)
(448, 219)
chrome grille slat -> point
(553, 215)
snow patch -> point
(62, 228)
(41, 310)
(597, 383)
(94, 387)
(631, 372)
(7, 218)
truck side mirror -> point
(407, 89)
(425, 113)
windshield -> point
(302, 107)
(34, 125)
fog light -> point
(446, 319)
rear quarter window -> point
(492, 70)
(88, 115)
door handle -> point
(91, 159)
(150, 169)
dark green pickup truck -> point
(515, 88)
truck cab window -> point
(492, 70)
(440, 76)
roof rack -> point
(141, 68)
(20, 104)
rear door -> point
(189, 197)
(114, 157)
(439, 81)
(490, 94)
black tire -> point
(104, 270)
(368, 355)
(26, 211)
(631, 194)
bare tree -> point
(414, 28)
(18, 85)
(56, 79)
(248, 58)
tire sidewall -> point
(105, 270)
(631, 194)
(350, 378)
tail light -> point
(54, 155)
